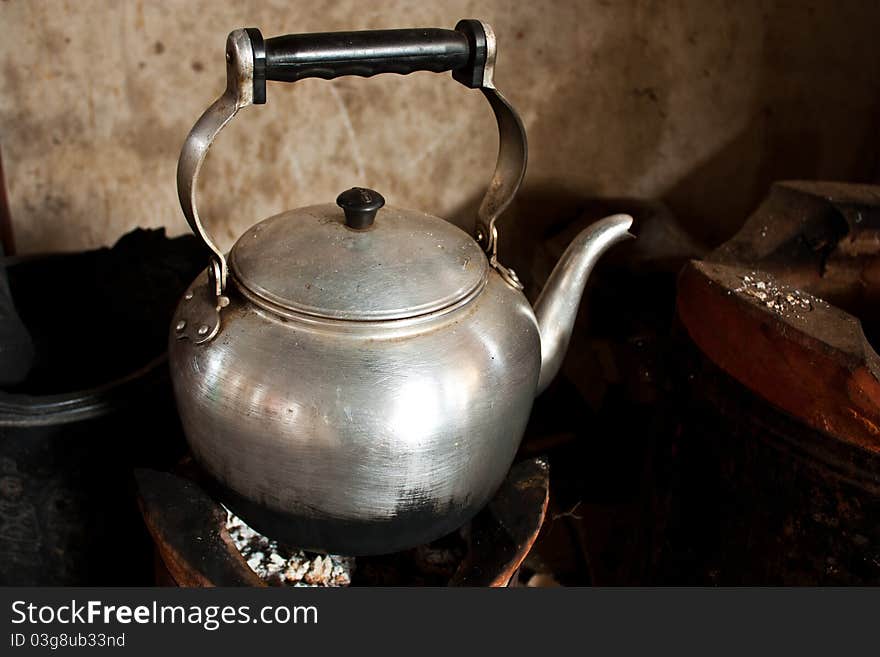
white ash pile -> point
(279, 565)
(779, 298)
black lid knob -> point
(360, 206)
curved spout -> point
(557, 305)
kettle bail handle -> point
(468, 51)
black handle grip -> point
(334, 54)
(331, 55)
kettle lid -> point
(358, 261)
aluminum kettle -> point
(356, 378)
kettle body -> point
(359, 437)
(356, 378)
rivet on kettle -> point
(181, 325)
(203, 329)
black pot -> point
(95, 404)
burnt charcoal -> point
(427, 565)
(100, 315)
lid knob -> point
(360, 206)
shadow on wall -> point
(536, 210)
(700, 104)
(594, 126)
(814, 86)
(812, 107)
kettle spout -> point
(557, 305)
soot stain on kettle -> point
(418, 505)
(413, 498)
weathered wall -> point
(701, 103)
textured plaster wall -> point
(699, 103)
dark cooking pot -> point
(95, 402)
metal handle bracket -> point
(245, 85)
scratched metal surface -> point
(408, 263)
(410, 428)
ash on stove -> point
(282, 566)
(781, 299)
